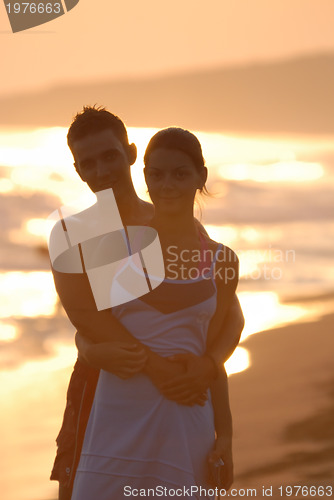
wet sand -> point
(283, 408)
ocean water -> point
(271, 201)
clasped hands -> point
(183, 378)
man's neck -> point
(132, 209)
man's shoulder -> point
(59, 232)
(76, 219)
(146, 208)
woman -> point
(137, 439)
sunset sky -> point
(100, 40)
(267, 134)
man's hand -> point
(221, 464)
(191, 387)
(123, 359)
(161, 370)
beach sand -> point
(283, 408)
(283, 413)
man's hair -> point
(94, 119)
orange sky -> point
(101, 39)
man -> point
(102, 157)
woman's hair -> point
(180, 139)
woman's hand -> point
(123, 359)
(221, 464)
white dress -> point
(136, 438)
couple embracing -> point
(147, 406)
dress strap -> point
(220, 246)
(204, 246)
(203, 241)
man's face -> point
(101, 160)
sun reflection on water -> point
(293, 171)
(238, 362)
(8, 332)
(6, 186)
(263, 311)
(39, 227)
(27, 294)
(41, 161)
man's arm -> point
(125, 357)
(121, 358)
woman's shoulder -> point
(214, 246)
(225, 264)
(222, 253)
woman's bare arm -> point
(220, 458)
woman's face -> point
(172, 180)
